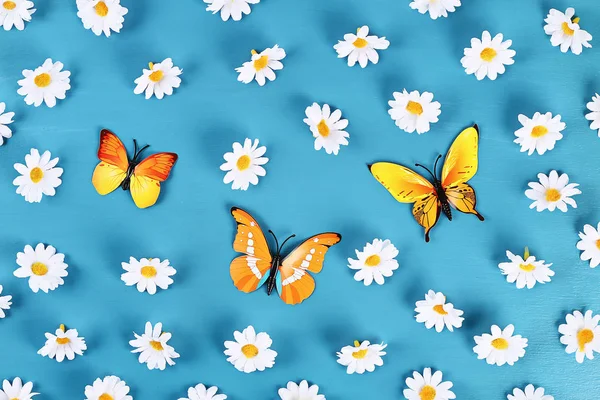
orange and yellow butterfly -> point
(407, 186)
(259, 266)
(141, 178)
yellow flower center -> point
(360, 43)
(156, 76)
(359, 354)
(243, 162)
(488, 54)
(42, 80)
(527, 267)
(373, 260)
(500, 344)
(249, 350)
(323, 128)
(427, 393)
(538, 131)
(439, 308)
(36, 175)
(584, 337)
(567, 29)
(63, 340)
(9, 5)
(414, 108)
(156, 345)
(261, 63)
(148, 271)
(598, 244)
(106, 396)
(552, 195)
(39, 269)
(101, 9)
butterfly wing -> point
(112, 169)
(295, 284)
(403, 183)
(427, 212)
(409, 187)
(461, 161)
(251, 270)
(461, 165)
(147, 176)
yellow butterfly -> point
(407, 186)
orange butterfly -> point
(407, 186)
(259, 265)
(141, 178)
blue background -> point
(304, 192)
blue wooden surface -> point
(304, 192)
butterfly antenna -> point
(426, 169)
(282, 244)
(135, 149)
(274, 237)
(435, 166)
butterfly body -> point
(272, 278)
(258, 266)
(141, 177)
(432, 197)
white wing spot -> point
(251, 261)
(308, 257)
(252, 224)
(304, 264)
(250, 250)
(316, 240)
(250, 234)
(250, 242)
(312, 251)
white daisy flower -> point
(361, 357)
(159, 80)
(414, 111)
(15, 13)
(501, 347)
(64, 343)
(361, 47)
(5, 119)
(303, 391)
(251, 351)
(234, 8)
(435, 8)
(565, 31)
(44, 267)
(530, 393)
(200, 392)
(244, 164)
(581, 335)
(5, 303)
(552, 192)
(375, 262)
(108, 388)
(45, 84)
(593, 115)
(428, 386)
(262, 66)
(487, 57)
(539, 133)
(147, 274)
(526, 270)
(327, 127)
(153, 348)
(38, 176)
(435, 311)
(16, 390)
(589, 244)
(101, 16)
